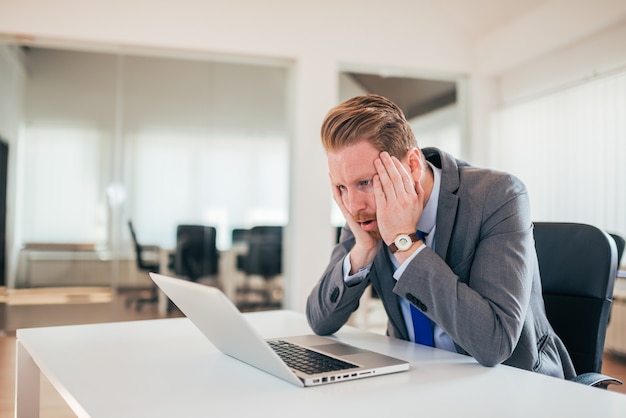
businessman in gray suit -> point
(448, 247)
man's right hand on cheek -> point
(363, 238)
(365, 246)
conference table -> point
(167, 368)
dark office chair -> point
(578, 266)
(239, 240)
(239, 236)
(264, 258)
(620, 243)
(338, 230)
(196, 254)
(147, 259)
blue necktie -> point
(422, 326)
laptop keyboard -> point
(307, 361)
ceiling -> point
(477, 19)
(415, 96)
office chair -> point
(144, 264)
(263, 258)
(239, 240)
(620, 243)
(196, 255)
(578, 266)
(239, 236)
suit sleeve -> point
(480, 295)
(331, 302)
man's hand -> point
(399, 198)
(366, 245)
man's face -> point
(351, 172)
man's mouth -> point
(366, 221)
(368, 225)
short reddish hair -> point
(372, 118)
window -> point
(62, 195)
(569, 149)
(182, 141)
(181, 177)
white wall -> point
(598, 54)
(552, 26)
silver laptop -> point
(326, 360)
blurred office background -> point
(208, 113)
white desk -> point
(166, 368)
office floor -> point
(53, 406)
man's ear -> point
(416, 164)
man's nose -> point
(355, 202)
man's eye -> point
(365, 182)
(341, 188)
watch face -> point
(403, 242)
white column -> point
(308, 241)
(482, 98)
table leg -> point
(27, 377)
(162, 303)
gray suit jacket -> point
(481, 284)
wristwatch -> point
(403, 242)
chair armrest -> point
(598, 380)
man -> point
(448, 247)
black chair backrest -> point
(578, 266)
(239, 235)
(196, 251)
(141, 263)
(265, 251)
(620, 243)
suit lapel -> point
(448, 204)
(448, 200)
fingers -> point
(394, 179)
(383, 183)
(397, 201)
